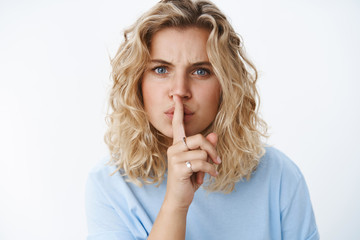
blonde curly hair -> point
(137, 148)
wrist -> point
(174, 207)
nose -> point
(180, 85)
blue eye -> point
(201, 72)
(160, 70)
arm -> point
(170, 223)
(183, 182)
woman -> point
(187, 160)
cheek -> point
(152, 94)
(214, 100)
(146, 88)
(212, 94)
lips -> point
(187, 113)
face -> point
(180, 65)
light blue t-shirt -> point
(274, 204)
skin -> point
(181, 97)
(180, 65)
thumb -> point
(212, 138)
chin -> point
(166, 132)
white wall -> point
(54, 73)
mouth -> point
(187, 113)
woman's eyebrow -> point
(201, 64)
(168, 63)
(161, 62)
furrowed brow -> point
(161, 62)
(197, 64)
(202, 64)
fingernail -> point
(217, 173)
(218, 159)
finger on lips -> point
(178, 120)
(203, 149)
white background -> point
(54, 76)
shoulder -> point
(278, 171)
(108, 204)
(104, 179)
(101, 166)
(284, 175)
(102, 171)
(277, 163)
(297, 217)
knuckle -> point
(202, 165)
(198, 137)
(175, 158)
(203, 155)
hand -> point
(182, 182)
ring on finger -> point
(184, 141)
(189, 166)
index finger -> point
(178, 120)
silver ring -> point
(188, 165)
(184, 141)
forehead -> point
(180, 43)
